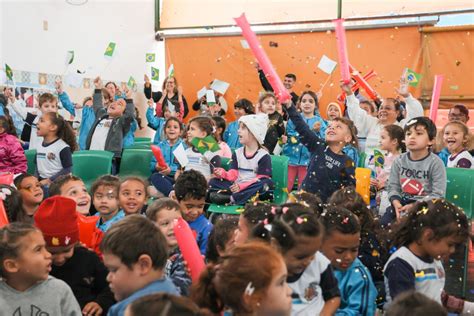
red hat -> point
(56, 217)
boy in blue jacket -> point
(341, 245)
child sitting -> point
(341, 245)
(25, 285)
(267, 104)
(163, 213)
(251, 166)
(415, 304)
(190, 191)
(12, 203)
(31, 196)
(231, 136)
(329, 168)
(220, 239)
(105, 197)
(135, 253)
(165, 304)
(219, 123)
(157, 122)
(12, 156)
(253, 214)
(456, 136)
(133, 195)
(80, 268)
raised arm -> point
(307, 136)
(362, 120)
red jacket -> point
(12, 156)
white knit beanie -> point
(257, 125)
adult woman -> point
(170, 93)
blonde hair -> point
(468, 137)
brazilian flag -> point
(207, 143)
(131, 83)
(379, 158)
(109, 51)
(9, 72)
(150, 57)
(413, 78)
(155, 74)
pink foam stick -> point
(189, 248)
(263, 60)
(342, 50)
(3, 215)
(363, 83)
(438, 82)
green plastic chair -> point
(140, 145)
(91, 164)
(280, 180)
(136, 162)
(30, 157)
(142, 139)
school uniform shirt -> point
(327, 171)
(163, 285)
(157, 123)
(100, 134)
(405, 271)
(357, 289)
(202, 228)
(175, 270)
(205, 164)
(260, 163)
(52, 158)
(104, 226)
(231, 135)
(423, 179)
(49, 297)
(167, 151)
(313, 287)
(461, 160)
(29, 133)
(87, 277)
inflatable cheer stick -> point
(87, 225)
(363, 83)
(189, 248)
(263, 60)
(159, 156)
(342, 96)
(438, 82)
(3, 215)
(342, 50)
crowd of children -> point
(112, 250)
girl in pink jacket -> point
(12, 156)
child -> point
(111, 126)
(429, 233)
(133, 195)
(293, 149)
(231, 137)
(164, 304)
(296, 232)
(276, 126)
(417, 174)
(12, 203)
(12, 156)
(163, 179)
(54, 155)
(31, 196)
(307, 199)
(157, 122)
(219, 123)
(251, 166)
(163, 213)
(135, 254)
(220, 239)
(329, 169)
(392, 141)
(105, 197)
(341, 245)
(415, 304)
(253, 214)
(250, 280)
(74, 188)
(190, 191)
(456, 136)
(80, 268)
(47, 103)
(26, 287)
(201, 127)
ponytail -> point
(204, 293)
(64, 131)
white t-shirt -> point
(100, 134)
(52, 158)
(461, 160)
(200, 162)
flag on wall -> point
(150, 57)
(155, 74)
(9, 72)
(412, 77)
(109, 51)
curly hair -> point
(191, 184)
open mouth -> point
(83, 203)
(132, 205)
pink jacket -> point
(12, 156)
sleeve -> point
(414, 108)
(400, 276)
(20, 109)
(66, 161)
(196, 105)
(308, 138)
(265, 166)
(153, 121)
(394, 188)
(17, 155)
(153, 164)
(97, 104)
(357, 301)
(362, 120)
(69, 305)
(271, 138)
(66, 102)
(180, 278)
(264, 81)
(290, 130)
(438, 178)
(149, 94)
(280, 126)
(328, 284)
(128, 116)
(185, 107)
(105, 297)
(204, 238)
(348, 178)
(215, 162)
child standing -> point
(105, 197)
(12, 156)
(341, 246)
(456, 136)
(297, 153)
(250, 280)
(429, 233)
(163, 213)
(135, 254)
(190, 191)
(31, 196)
(329, 168)
(54, 155)
(80, 268)
(231, 137)
(417, 174)
(219, 123)
(251, 166)
(163, 179)
(133, 195)
(25, 286)
(267, 103)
